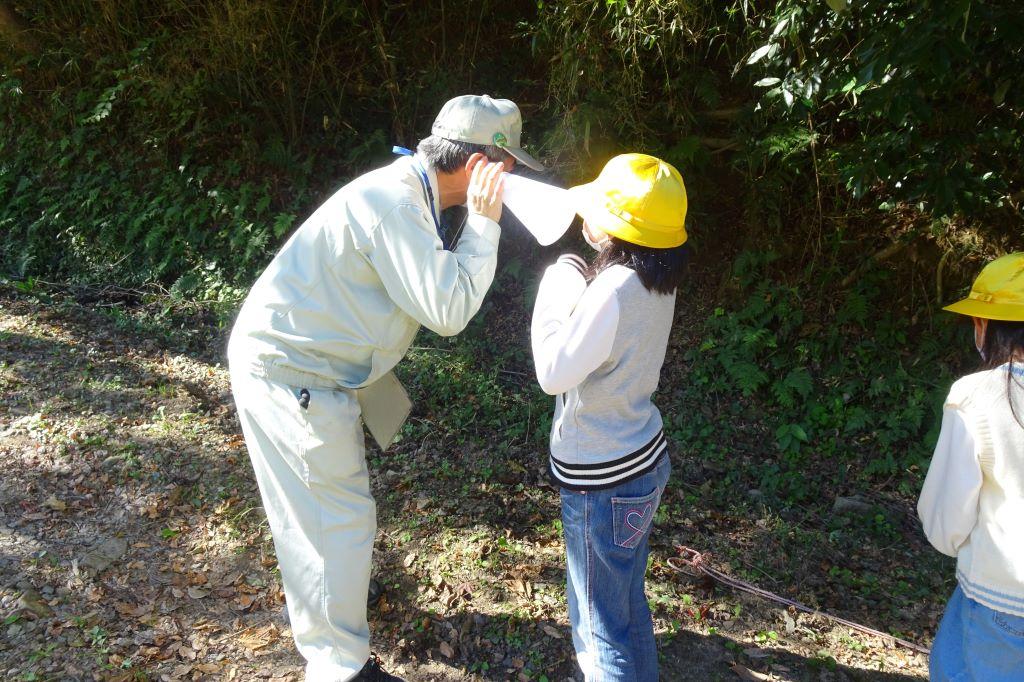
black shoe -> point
(372, 672)
(374, 594)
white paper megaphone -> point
(545, 210)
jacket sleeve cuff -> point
(483, 227)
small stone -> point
(55, 504)
(112, 461)
(32, 602)
(101, 556)
(852, 505)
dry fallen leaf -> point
(550, 631)
(446, 650)
(181, 672)
(198, 592)
(747, 674)
(53, 503)
(258, 638)
(522, 586)
(230, 578)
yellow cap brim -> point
(1008, 312)
(589, 204)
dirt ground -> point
(133, 547)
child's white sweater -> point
(601, 347)
(972, 503)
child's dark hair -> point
(1004, 344)
(660, 270)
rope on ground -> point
(693, 563)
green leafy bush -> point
(831, 393)
(178, 143)
(907, 100)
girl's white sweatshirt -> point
(972, 503)
(600, 348)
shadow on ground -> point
(132, 545)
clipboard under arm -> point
(385, 406)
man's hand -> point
(483, 197)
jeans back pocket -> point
(1011, 625)
(632, 518)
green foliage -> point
(630, 74)
(180, 144)
(911, 100)
(110, 198)
(835, 386)
(466, 388)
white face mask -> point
(979, 343)
(596, 246)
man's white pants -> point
(310, 465)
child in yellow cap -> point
(599, 337)
(972, 503)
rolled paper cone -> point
(545, 210)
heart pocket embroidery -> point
(642, 521)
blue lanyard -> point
(424, 180)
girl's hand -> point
(483, 197)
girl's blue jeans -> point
(975, 642)
(606, 533)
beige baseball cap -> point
(480, 119)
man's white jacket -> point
(341, 302)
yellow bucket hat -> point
(998, 293)
(637, 198)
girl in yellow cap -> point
(599, 337)
(972, 503)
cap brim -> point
(588, 202)
(1006, 312)
(525, 159)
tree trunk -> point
(16, 31)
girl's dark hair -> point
(660, 270)
(1004, 344)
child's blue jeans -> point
(975, 642)
(606, 533)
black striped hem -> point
(601, 475)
